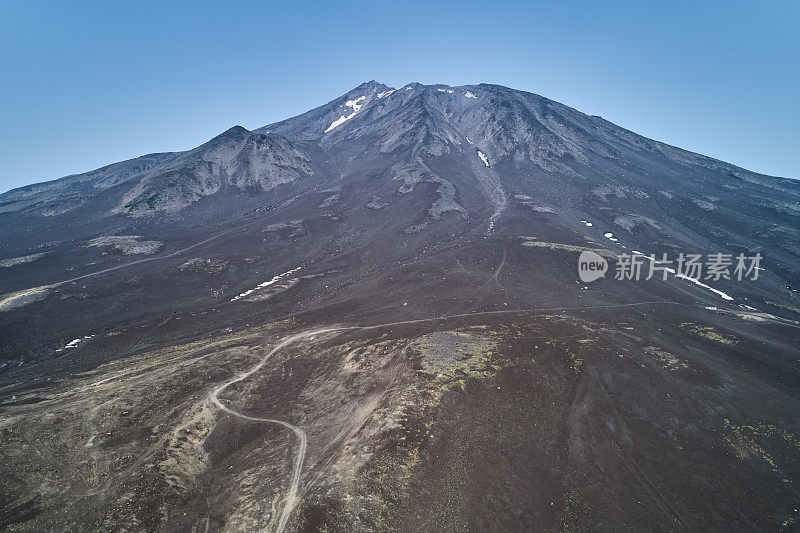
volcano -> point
(370, 317)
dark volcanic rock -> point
(452, 213)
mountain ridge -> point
(375, 84)
(394, 276)
(466, 153)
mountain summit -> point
(434, 158)
(372, 315)
(503, 142)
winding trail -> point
(299, 458)
(292, 498)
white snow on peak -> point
(469, 94)
(385, 93)
(409, 88)
(354, 104)
(338, 121)
(448, 91)
(483, 158)
(470, 142)
(608, 235)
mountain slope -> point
(393, 277)
(236, 159)
(53, 197)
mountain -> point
(236, 161)
(392, 277)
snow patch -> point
(386, 93)
(354, 104)
(469, 94)
(701, 284)
(483, 158)
(74, 343)
(608, 235)
(275, 279)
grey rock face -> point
(60, 196)
(432, 233)
(423, 162)
(435, 155)
(236, 159)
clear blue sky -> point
(89, 83)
